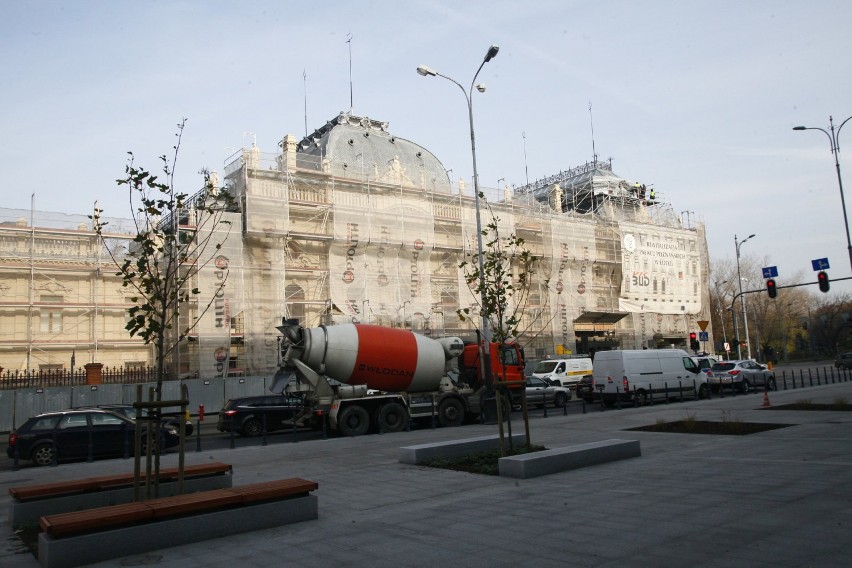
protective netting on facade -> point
(372, 231)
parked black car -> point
(72, 434)
(843, 361)
(167, 419)
(250, 415)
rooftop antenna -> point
(526, 169)
(305, 87)
(592, 122)
(349, 41)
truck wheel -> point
(560, 400)
(354, 420)
(745, 387)
(392, 417)
(450, 412)
(772, 385)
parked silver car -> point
(743, 375)
(540, 393)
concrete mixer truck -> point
(372, 378)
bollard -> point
(321, 415)
(126, 443)
(680, 389)
(544, 404)
(433, 413)
(784, 379)
(635, 399)
(197, 435)
(802, 378)
(565, 409)
(810, 377)
(54, 458)
(650, 396)
(91, 449)
(263, 430)
(16, 454)
(666, 390)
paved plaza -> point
(778, 498)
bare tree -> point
(502, 288)
(177, 235)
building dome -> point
(362, 149)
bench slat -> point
(274, 489)
(163, 507)
(92, 519)
(42, 490)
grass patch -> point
(480, 462)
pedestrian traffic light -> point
(822, 279)
(770, 288)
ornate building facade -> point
(352, 223)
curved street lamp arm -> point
(837, 133)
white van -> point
(565, 372)
(647, 375)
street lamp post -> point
(737, 246)
(427, 72)
(835, 149)
(722, 313)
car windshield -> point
(723, 366)
(545, 367)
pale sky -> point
(697, 98)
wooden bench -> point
(99, 483)
(101, 518)
(94, 535)
(30, 502)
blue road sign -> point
(820, 264)
(770, 272)
(703, 336)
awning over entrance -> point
(600, 318)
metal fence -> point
(74, 377)
(17, 405)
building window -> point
(51, 316)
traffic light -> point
(770, 288)
(822, 279)
(693, 341)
